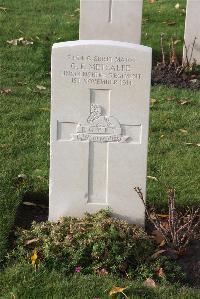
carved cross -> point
(99, 137)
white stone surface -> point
(118, 20)
(99, 128)
(192, 31)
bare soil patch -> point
(168, 75)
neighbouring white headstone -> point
(99, 128)
(118, 20)
(192, 32)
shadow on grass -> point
(34, 207)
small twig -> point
(179, 232)
(162, 49)
(186, 53)
(192, 49)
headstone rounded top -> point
(102, 43)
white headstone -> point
(118, 20)
(192, 31)
(99, 128)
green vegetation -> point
(24, 140)
(95, 243)
(43, 284)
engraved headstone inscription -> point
(192, 32)
(99, 128)
(118, 20)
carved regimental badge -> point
(99, 128)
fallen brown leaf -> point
(162, 243)
(102, 272)
(116, 290)
(170, 98)
(177, 41)
(40, 87)
(170, 22)
(28, 242)
(158, 237)
(34, 257)
(21, 83)
(193, 81)
(3, 8)
(160, 272)
(5, 91)
(183, 130)
(4, 145)
(184, 102)
(151, 1)
(177, 6)
(149, 282)
(158, 253)
(162, 215)
(192, 143)
(19, 41)
(44, 109)
(27, 203)
(153, 101)
(152, 178)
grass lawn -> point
(44, 284)
(24, 139)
